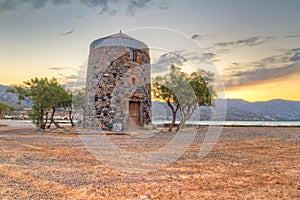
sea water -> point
(236, 123)
(206, 123)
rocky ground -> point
(246, 163)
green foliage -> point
(165, 89)
(202, 84)
(59, 98)
(77, 98)
(45, 94)
(4, 108)
(184, 92)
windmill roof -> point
(118, 39)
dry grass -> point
(247, 163)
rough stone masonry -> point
(118, 94)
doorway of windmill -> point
(134, 114)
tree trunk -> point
(173, 121)
(174, 111)
(42, 124)
(186, 112)
(71, 118)
(181, 124)
(56, 124)
(46, 120)
(52, 119)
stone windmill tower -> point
(117, 95)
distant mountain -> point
(277, 109)
(236, 114)
(12, 99)
(241, 110)
(236, 109)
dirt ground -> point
(246, 163)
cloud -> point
(72, 77)
(35, 3)
(196, 37)
(133, 5)
(166, 60)
(110, 7)
(129, 7)
(61, 2)
(292, 35)
(199, 36)
(11, 5)
(7, 5)
(94, 3)
(199, 57)
(56, 68)
(67, 32)
(178, 58)
(225, 47)
(270, 68)
(103, 4)
(252, 41)
(261, 75)
(61, 68)
(295, 55)
(248, 42)
(225, 44)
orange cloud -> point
(279, 89)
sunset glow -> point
(256, 51)
(288, 89)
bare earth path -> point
(247, 163)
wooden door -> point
(134, 114)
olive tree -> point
(4, 108)
(44, 94)
(184, 92)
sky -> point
(253, 46)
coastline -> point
(164, 123)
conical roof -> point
(118, 39)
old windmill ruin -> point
(117, 95)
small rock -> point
(144, 197)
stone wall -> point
(115, 75)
